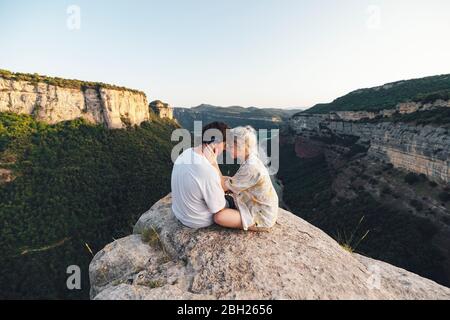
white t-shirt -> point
(197, 192)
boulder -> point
(165, 260)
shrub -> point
(446, 220)
(417, 204)
(412, 178)
(386, 190)
(444, 196)
(355, 150)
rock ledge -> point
(164, 260)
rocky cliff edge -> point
(164, 260)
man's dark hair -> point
(215, 126)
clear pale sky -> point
(266, 53)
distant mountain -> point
(234, 116)
(387, 96)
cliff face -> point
(165, 260)
(53, 104)
(401, 108)
(163, 110)
(423, 150)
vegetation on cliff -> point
(77, 187)
(438, 117)
(423, 90)
(60, 82)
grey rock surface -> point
(293, 261)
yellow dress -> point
(254, 194)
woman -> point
(251, 187)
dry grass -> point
(151, 237)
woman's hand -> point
(225, 180)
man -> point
(197, 193)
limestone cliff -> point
(163, 110)
(419, 149)
(165, 260)
(401, 108)
(53, 103)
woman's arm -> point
(224, 183)
(245, 178)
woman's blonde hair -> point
(247, 137)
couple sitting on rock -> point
(202, 196)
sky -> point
(264, 53)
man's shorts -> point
(230, 204)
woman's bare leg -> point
(228, 218)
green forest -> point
(75, 187)
(423, 90)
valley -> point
(371, 169)
(75, 173)
(79, 162)
(270, 118)
(368, 207)
(377, 183)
